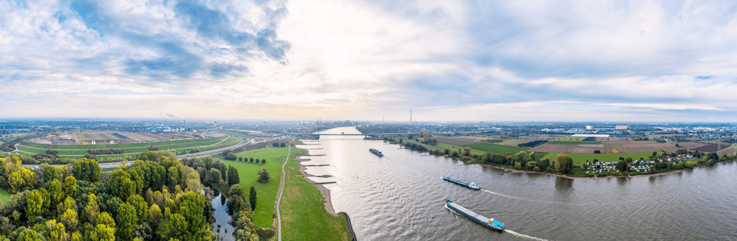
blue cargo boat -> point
(484, 221)
(376, 152)
(470, 185)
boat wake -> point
(522, 235)
(499, 194)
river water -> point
(401, 197)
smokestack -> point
(410, 116)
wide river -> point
(401, 197)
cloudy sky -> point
(446, 60)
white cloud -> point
(358, 59)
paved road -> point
(281, 190)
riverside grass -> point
(304, 216)
(580, 158)
(266, 192)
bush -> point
(263, 176)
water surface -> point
(401, 197)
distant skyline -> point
(545, 61)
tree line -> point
(156, 198)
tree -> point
(69, 219)
(70, 186)
(121, 185)
(192, 208)
(176, 228)
(154, 216)
(251, 159)
(223, 171)
(233, 177)
(263, 161)
(55, 231)
(92, 210)
(213, 176)
(28, 235)
(56, 194)
(467, 151)
(263, 176)
(240, 159)
(34, 205)
(127, 219)
(252, 198)
(22, 180)
(140, 205)
(49, 173)
(102, 233)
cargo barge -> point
(376, 152)
(484, 221)
(470, 185)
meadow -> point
(266, 192)
(236, 134)
(580, 158)
(496, 148)
(508, 142)
(303, 208)
(131, 148)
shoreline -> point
(512, 170)
(323, 190)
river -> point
(401, 197)
(221, 217)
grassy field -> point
(574, 142)
(496, 148)
(303, 209)
(508, 142)
(14, 135)
(236, 134)
(264, 212)
(4, 195)
(571, 138)
(132, 148)
(580, 158)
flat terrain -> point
(266, 192)
(590, 147)
(77, 151)
(236, 134)
(580, 158)
(303, 212)
(501, 149)
(458, 141)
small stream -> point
(221, 218)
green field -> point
(4, 195)
(236, 134)
(131, 148)
(574, 142)
(496, 148)
(303, 208)
(14, 135)
(508, 142)
(571, 138)
(580, 158)
(264, 212)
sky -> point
(367, 60)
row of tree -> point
(106, 151)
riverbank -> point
(305, 215)
(323, 190)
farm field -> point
(303, 208)
(496, 148)
(574, 142)
(713, 147)
(571, 138)
(614, 148)
(580, 158)
(458, 141)
(266, 192)
(509, 142)
(14, 135)
(129, 149)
